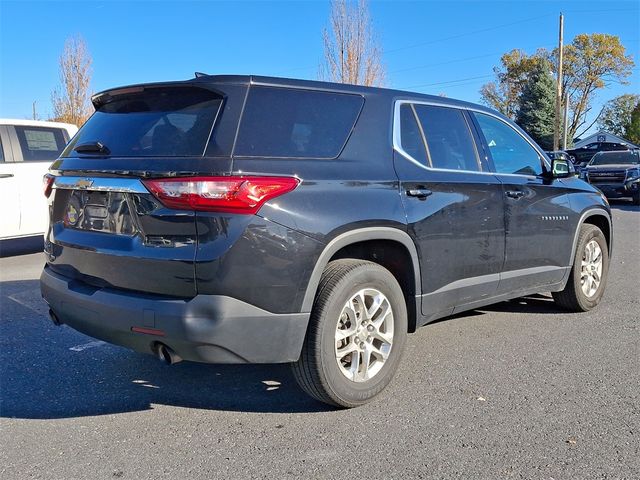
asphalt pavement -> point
(520, 389)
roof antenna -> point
(200, 74)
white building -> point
(603, 136)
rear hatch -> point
(106, 228)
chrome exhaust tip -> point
(166, 355)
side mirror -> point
(562, 168)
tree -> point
(591, 62)
(536, 106)
(351, 53)
(616, 113)
(511, 76)
(71, 100)
(632, 132)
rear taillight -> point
(47, 184)
(243, 195)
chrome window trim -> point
(100, 184)
(397, 145)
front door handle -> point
(421, 193)
(514, 194)
(6, 175)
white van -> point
(27, 148)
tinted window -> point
(449, 141)
(1, 152)
(613, 158)
(410, 136)
(281, 122)
(40, 144)
(166, 121)
(511, 153)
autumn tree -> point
(351, 52)
(591, 62)
(71, 99)
(503, 94)
(616, 113)
(536, 106)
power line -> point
(437, 40)
(465, 34)
(447, 82)
(448, 62)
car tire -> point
(324, 370)
(588, 277)
(636, 199)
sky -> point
(437, 47)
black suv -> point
(583, 155)
(616, 174)
(243, 219)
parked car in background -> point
(242, 219)
(584, 154)
(616, 174)
(560, 154)
(27, 148)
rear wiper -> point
(92, 147)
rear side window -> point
(449, 141)
(40, 144)
(511, 153)
(290, 123)
(410, 135)
(154, 121)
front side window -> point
(511, 153)
(449, 142)
(294, 123)
(40, 144)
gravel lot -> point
(517, 390)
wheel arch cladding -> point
(603, 223)
(390, 248)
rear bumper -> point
(206, 328)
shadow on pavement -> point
(41, 378)
(626, 206)
(21, 246)
(55, 372)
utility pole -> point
(556, 131)
(34, 110)
(564, 122)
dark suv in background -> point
(241, 219)
(583, 155)
(616, 174)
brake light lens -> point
(243, 195)
(47, 184)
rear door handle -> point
(6, 175)
(421, 193)
(514, 194)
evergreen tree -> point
(632, 131)
(536, 109)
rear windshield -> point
(290, 123)
(617, 158)
(154, 121)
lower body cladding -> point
(205, 328)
